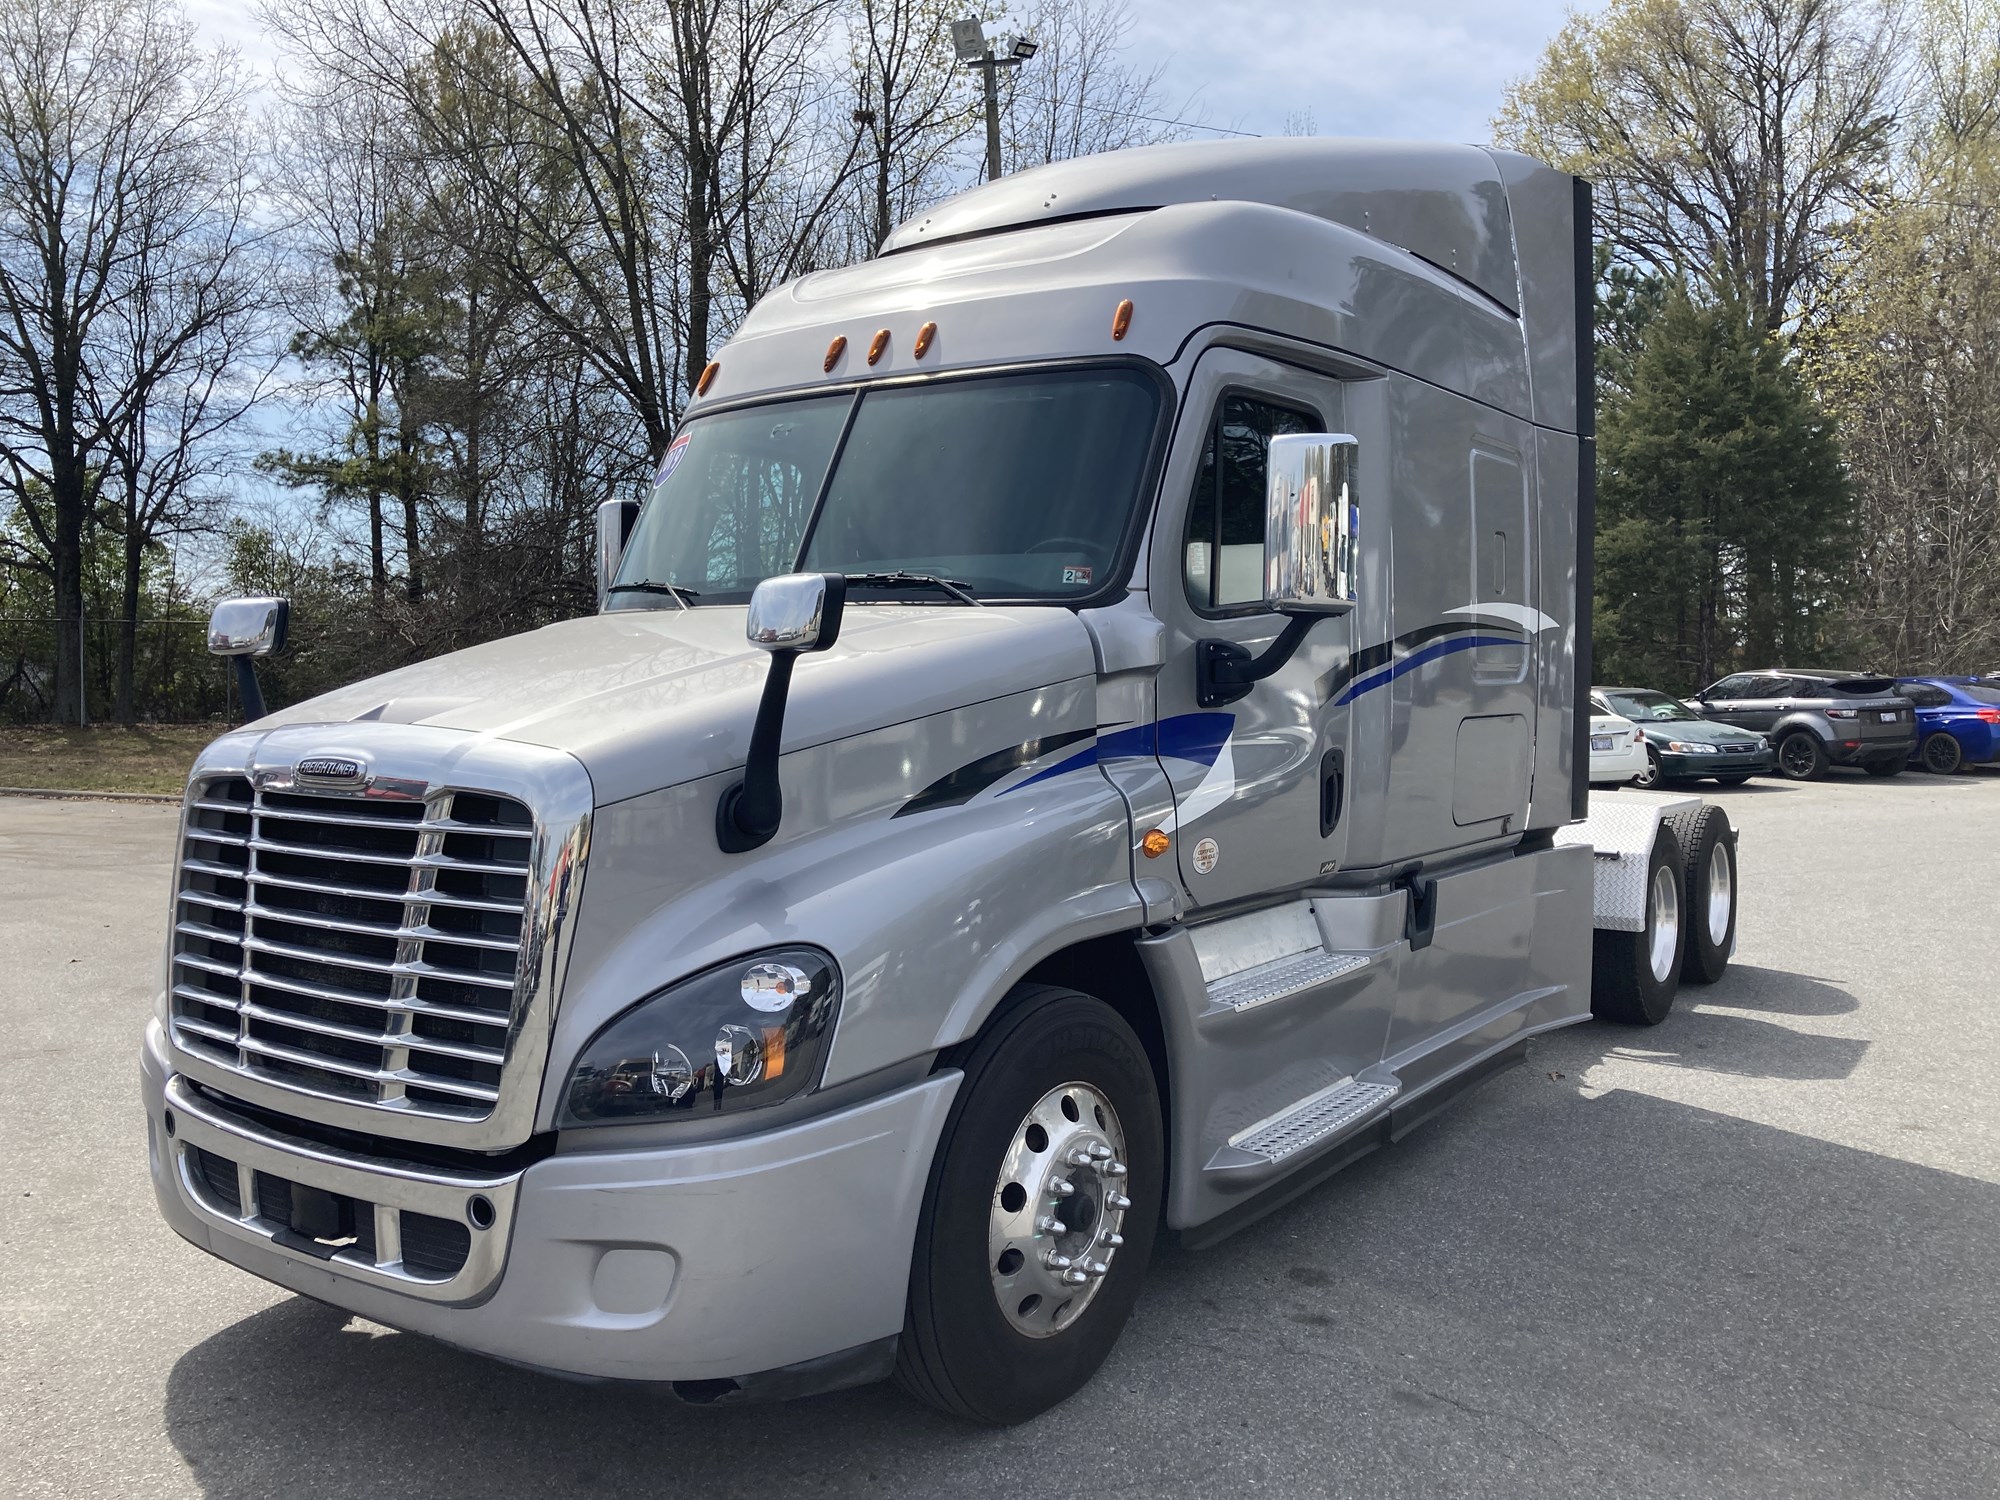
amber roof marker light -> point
(833, 352)
(1155, 843)
(925, 336)
(707, 378)
(877, 346)
(1121, 320)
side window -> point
(1923, 695)
(1730, 689)
(1796, 687)
(1225, 530)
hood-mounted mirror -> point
(789, 616)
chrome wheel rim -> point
(1666, 905)
(1651, 774)
(1797, 757)
(1721, 893)
(1057, 1210)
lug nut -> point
(1113, 1241)
(1098, 1268)
(1099, 1151)
(1050, 1224)
(1117, 1200)
(1074, 1278)
(1055, 1260)
(1115, 1169)
(1062, 1187)
(1078, 1157)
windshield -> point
(1013, 486)
(1654, 708)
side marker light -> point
(877, 346)
(833, 352)
(1154, 844)
(925, 335)
(1121, 320)
(707, 378)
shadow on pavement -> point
(1774, 990)
(1542, 1294)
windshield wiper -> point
(673, 591)
(901, 580)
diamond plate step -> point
(1313, 1119)
(1282, 978)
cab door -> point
(1261, 783)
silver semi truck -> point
(1084, 739)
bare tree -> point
(911, 103)
(101, 101)
(1079, 95)
(1727, 138)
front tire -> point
(1649, 778)
(1634, 976)
(1801, 757)
(1943, 754)
(1057, 1080)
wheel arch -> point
(1108, 968)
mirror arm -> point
(748, 814)
(248, 689)
(1225, 671)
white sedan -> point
(1617, 747)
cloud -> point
(1414, 69)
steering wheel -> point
(1065, 544)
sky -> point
(1415, 69)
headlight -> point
(1681, 747)
(740, 1035)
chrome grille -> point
(366, 948)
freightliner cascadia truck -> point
(1084, 737)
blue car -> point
(1958, 721)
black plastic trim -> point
(1586, 488)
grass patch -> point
(106, 758)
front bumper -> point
(1756, 762)
(713, 1261)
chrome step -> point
(1313, 1119)
(1282, 978)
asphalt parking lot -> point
(1749, 1252)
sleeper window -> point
(1225, 530)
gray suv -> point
(1818, 719)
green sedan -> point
(1683, 746)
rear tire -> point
(962, 1351)
(1801, 757)
(1884, 769)
(1711, 889)
(1634, 976)
(1942, 753)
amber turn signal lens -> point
(1122, 319)
(924, 336)
(1154, 844)
(877, 345)
(707, 378)
(833, 352)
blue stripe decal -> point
(1196, 737)
(1418, 658)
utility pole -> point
(976, 50)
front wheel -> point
(1634, 976)
(1040, 1214)
(1649, 778)
(1801, 757)
(1943, 754)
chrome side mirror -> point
(788, 617)
(248, 627)
(1311, 517)
(797, 612)
(242, 628)
(614, 530)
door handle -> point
(1332, 790)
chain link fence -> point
(174, 679)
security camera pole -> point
(976, 50)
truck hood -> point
(647, 699)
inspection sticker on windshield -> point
(1076, 575)
(675, 452)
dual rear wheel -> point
(1690, 922)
